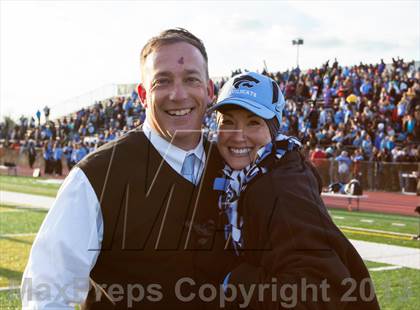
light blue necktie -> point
(187, 170)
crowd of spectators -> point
(359, 113)
(370, 111)
(74, 136)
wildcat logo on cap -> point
(254, 92)
(245, 80)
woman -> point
(278, 225)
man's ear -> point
(142, 95)
(210, 91)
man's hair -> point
(171, 36)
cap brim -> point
(258, 110)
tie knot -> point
(188, 167)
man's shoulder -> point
(121, 148)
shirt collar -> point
(172, 154)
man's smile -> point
(179, 112)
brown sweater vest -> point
(156, 226)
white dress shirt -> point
(172, 154)
(57, 273)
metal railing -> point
(381, 176)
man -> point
(320, 161)
(127, 216)
(46, 113)
(344, 163)
(31, 153)
(57, 154)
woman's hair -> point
(273, 126)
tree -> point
(7, 126)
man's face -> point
(177, 92)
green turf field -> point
(396, 289)
(28, 185)
(384, 225)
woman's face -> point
(240, 135)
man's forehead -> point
(175, 56)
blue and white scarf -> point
(234, 182)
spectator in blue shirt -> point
(67, 151)
(47, 154)
(81, 152)
(367, 145)
(57, 155)
(357, 141)
(344, 163)
(390, 143)
(73, 158)
(339, 117)
(338, 138)
(347, 114)
(378, 140)
(322, 117)
(366, 88)
(410, 124)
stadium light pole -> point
(297, 42)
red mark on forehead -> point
(181, 61)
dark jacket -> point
(291, 241)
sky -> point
(53, 51)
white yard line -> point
(11, 210)
(398, 224)
(366, 221)
(26, 200)
(17, 235)
(9, 288)
(51, 181)
(388, 254)
(384, 268)
(377, 231)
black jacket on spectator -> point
(289, 236)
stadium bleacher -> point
(371, 112)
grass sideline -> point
(396, 289)
(28, 185)
(377, 221)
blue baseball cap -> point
(254, 92)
